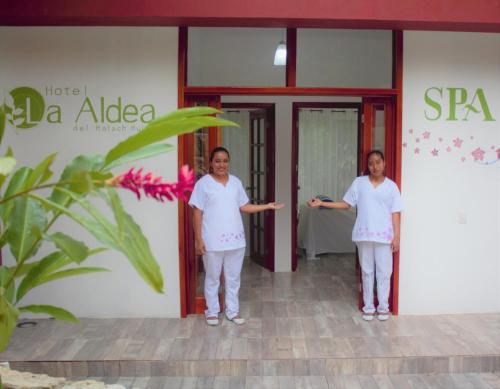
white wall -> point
(140, 65)
(450, 228)
(283, 229)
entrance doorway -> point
(251, 147)
(347, 133)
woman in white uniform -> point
(376, 230)
(218, 199)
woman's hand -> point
(275, 206)
(395, 244)
(200, 247)
(314, 203)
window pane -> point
(378, 133)
(344, 58)
(234, 57)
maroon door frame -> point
(270, 181)
(396, 92)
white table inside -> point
(325, 231)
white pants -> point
(231, 261)
(375, 258)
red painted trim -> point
(398, 84)
(453, 15)
(295, 159)
(287, 91)
(291, 57)
(181, 160)
(248, 105)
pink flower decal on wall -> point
(426, 135)
(457, 142)
(435, 152)
(478, 154)
(448, 149)
(417, 150)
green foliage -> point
(27, 216)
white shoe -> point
(212, 321)
(383, 316)
(237, 320)
(368, 316)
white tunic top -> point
(375, 209)
(222, 226)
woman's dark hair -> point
(374, 152)
(218, 150)
(370, 153)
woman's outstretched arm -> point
(314, 203)
(253, 208)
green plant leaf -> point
(3, 121)
(77, 251)
(8, 154)
(81, 182)
(135, 245)
(42, 172)
(8, 317)
(55, 312)
(127, 239)
(28, 216)
(44, 268)
(22, 269)
(100, 228)
(77, 170)
(76, 271)
(7, 164)
(16, 185)
(5, 276)
(178, 123)
(143, 153)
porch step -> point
(451, 364)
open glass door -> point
(378, 132)
(252, 150)
(197, 152)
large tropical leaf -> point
(9, 153)
(130, 240)
(41, 271)
(42, 171)
(42, 268)
(77, 176)
(5, 277)
(30, 218)
(3, 121)
(7, 164)
(77, 251)
(135, 245)
(55, 312)
(16, 185)
(8, 317)
(143, 153)
(100, 227)
(75, 271)
(181, 122)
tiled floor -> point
(402, 381)
(302, 324)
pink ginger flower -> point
(154, 186)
